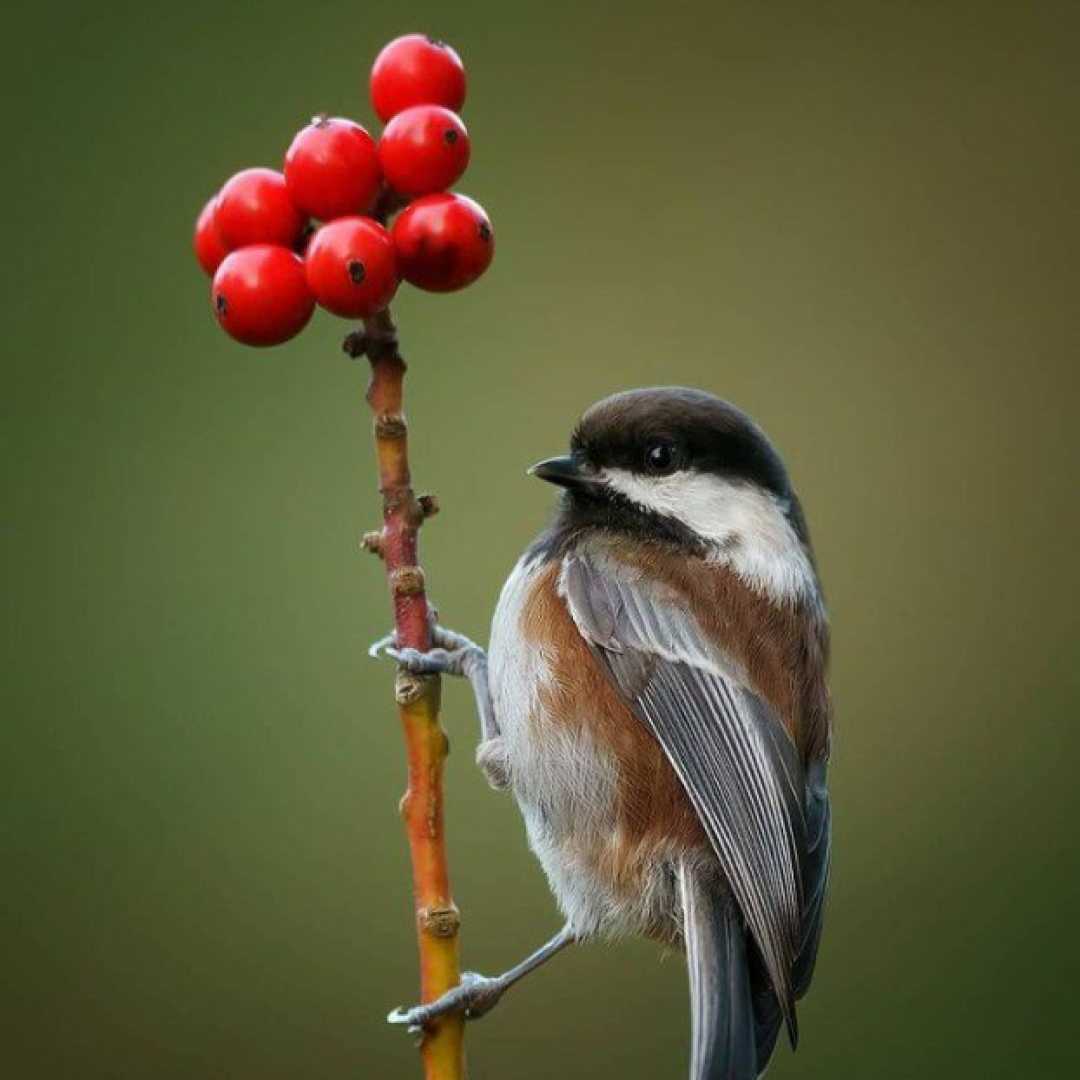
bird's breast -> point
(604, 810)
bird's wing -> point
(767, 1014)
(735, 759)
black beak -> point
(563, 471)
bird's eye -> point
(660, 458)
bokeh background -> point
(858, 221)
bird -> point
(655, 696)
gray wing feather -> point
(767, 1015)
(815, 873)
(736, 761)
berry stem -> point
(418, 696)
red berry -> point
(444, 242)
(416, 70)
(260, 295)
(331, 169)
(423, 149)
(352, 267)
(254, 208)
(209, 247)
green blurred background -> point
(857, 221)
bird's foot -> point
(451, 653)
(474, 996)
(494, 762)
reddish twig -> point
(437, 919)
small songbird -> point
(656, 700)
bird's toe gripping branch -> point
(474, 996)
(452, 654)
(455, 654)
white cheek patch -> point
(744, 526)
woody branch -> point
(418, 696)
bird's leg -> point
(455, 654)
(476, 994)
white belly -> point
(563, 781)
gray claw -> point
(377, 647)
(434, 662)
(453, 654)
(400, 1017)
(474, 996)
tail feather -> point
(723, 1035)
(736, 1015)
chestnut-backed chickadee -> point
(656, 700)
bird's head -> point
(681, 466)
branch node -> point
(390, 426)
(355, 345)
(410, 688)
(441, 922)
(396, 500)
(382, 339)
(373, 542)
(429, 505)
(407, 581)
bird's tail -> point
(723, 1031)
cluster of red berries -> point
(271, 266)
